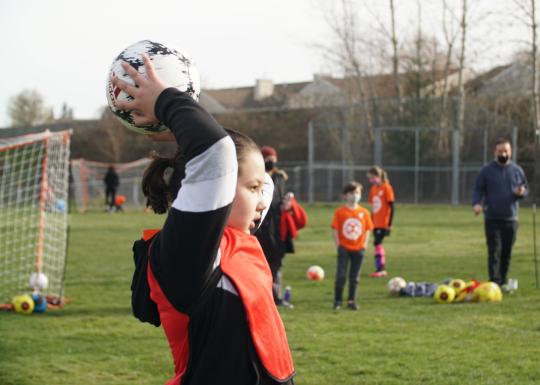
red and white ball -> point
(315, 273)
(174, 68)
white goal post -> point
(34, 172)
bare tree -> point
(461, 82)
(535, 73)
(395, 56)
(66, 113)
(28, 109)
(450, 34)
(391, 35)
(346, 53)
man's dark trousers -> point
(500, 237)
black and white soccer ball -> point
(395, 285)
(174, 67)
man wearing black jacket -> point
(499, 187)
(269, 235)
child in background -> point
(350, 230)
(381, 198)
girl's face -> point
(374, 179)
(248, 204)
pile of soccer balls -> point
(451, 290)
(35, 303)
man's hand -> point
(477, 209)
(520, 190)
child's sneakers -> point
(379, 274)
(352, 306)
(337, 305)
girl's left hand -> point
(144, 93)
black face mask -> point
(269, 165)
(502, 159)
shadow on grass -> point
(104, 311)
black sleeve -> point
(479, 190)
(524, 182)
(194, 128)
(279, 191)
(183, 257)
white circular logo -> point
(377, 204)
(352, 229)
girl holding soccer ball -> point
(207, 272)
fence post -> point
(455, 166)
(416, 163)
(311, 156)
(297, 183)
(514, 144)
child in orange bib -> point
(381, 198)
(350, 230)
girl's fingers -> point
(125, 86)
(126, 105)
(135, 75)
(150, 72)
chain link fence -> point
(424, 165)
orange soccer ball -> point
(120, 200)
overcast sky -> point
(63, 48)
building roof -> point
(323, 90)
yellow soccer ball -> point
(444, 294)
(489, 292)
(457, 285)
(23, 304)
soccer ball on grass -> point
(23, 304)
(38, 281)
(315, 273)
(444, 294)
(395, 285)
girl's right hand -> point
(144, 93)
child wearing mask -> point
(350, 230)
(381, 198)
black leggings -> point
(379, 235)
(110, 197)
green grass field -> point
(95, 340)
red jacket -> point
(292, 220)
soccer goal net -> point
(89, 186)
(33, 212)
